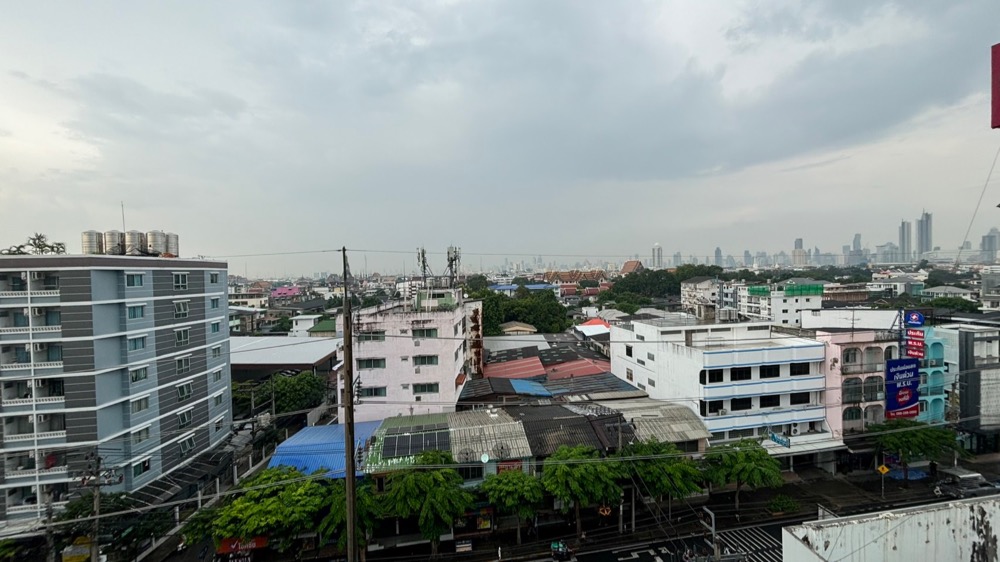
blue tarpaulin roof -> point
(320, 447)
(529, 387)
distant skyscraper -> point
(718, 256)
(856, 246)
(747, 258)
(925, 238)
(678, 259)
(798, 243)
(905, 242)
(657, 261)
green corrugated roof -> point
(324, 326)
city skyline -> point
(435, 122)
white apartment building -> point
(413, 357)
(699, 292)
(741, 379)
(782, 303)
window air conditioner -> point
(38, 347)
(723, 412)
(42, 418)
(37, 312)
(39, 383)
(795, 430)
(36, 275)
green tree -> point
(520, 281)
(368, 510)
(579, 476)
(911, 440)
(432, 493)
(284, 324)
(744, 463)
(298, 392)
(663, 469)
(127, 529)
(38, 244)
(957, 304)
(476, 283)
(280, 503)
(515, 493)
(583, 284)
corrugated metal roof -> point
(281, 351)
(663, 421)
(321, 447)
(519, 369)
(531, 388)
(494, 433)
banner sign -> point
(915, 334)
(915, 344)
(915, 353)
(902, 377)
(236, 545)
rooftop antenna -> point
(425, 270)
(454, 259)
(123, 216)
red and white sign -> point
(237, 545)
(915, 344)
(918, 353)
(911, 412)
(915, 334)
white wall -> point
(959, 530)
(849, 318)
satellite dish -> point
(485, 458)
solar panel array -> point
(408, 441)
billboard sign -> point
(915, 353)
(902, 377)
(915, 344)
(915, 334)
(914, 319)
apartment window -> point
(182, 337)
(137, 375)
(770, 371)
(714, 406)
(628, 351)
(136, 311)
(711, 376)
(140, 468)
(739, 374)
(217, 352)
(180, 281)
(213, 277)
(640, 361)
(650, 356)
(217, 400)
(770, 401)
(378, 335)
(718, 436)
(425, 360)
(641, 386)
(428, 388)
(371, 363)
(738, 404)
(799, 398)
(923, 379)
(799, 369)
(181, 309)
(851, 355)
(628, 374)
(215, 302)
(216, 327)
(133, 280)
(216, 376)
(187, 445)
(140, 435)
(425, 333)
(650, 382)
(140, 405)
(640, 338)
(784, 311)
(182, 365)
(923, 406)
(470, 472)
(184, 419)
(373, 392)
(135, 344)
(183, 391)
(741, 433)
(219, 424)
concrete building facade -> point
(125, 357)
(414, 357)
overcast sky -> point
(502, 127)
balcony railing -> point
(32, 472)
(30, 401)
(13, 294)
(855, 368)
(27, 329)
(14, 509)
(45, 293)
(37, 364)
(31, 436)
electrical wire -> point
(978, 203)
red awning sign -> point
(918, 353)
(915, 334)
(915, 344)
(237, 545)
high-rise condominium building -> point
(925, 238)
(123, 357)
(905, 242)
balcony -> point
(857, 368)
(24, 466)
(927, 363)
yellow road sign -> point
(883, 469)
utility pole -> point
(348, 397)
(95, 545)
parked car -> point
(961, 483)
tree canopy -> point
(662, 469)
(433, 494)
(38, 244)
(911, 440)
(957, 304)
(541, 309)
(514, 492)
(475, 283)
(280, 503)
(127, 529)
(299, 392)
(368, 510)
(744, 463)
(578, 476)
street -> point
(761, 544)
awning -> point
(804, 447)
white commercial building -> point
(783, 303)
(740, 378)
(413, 357)
(955, 530)
(698, 293)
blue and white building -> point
(742, 379)
(123, 357)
